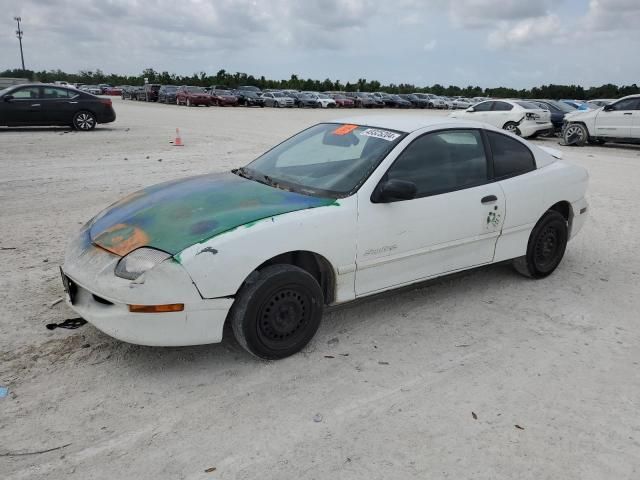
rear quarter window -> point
(510, 157)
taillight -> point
(106, 101)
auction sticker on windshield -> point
(383, 134)
(345, 129)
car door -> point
(59, 104)
(635, 126)
(479, 112)
(501, 113)
(452, 223)
(616, 120)
(25, 106)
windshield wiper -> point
(243, 172)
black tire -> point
(189, 104)
(512, 127)
(277, 311)
(575, 134)
(84, 121)
(546, 246)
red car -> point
(192, 96)
(342, 101)
(222, 98)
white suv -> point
(618, 122)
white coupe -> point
(516, 116)
(339, 211)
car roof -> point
(408, 123)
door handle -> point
(35, 105)
(489, 199)
(73, 102)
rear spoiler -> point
(552, 151)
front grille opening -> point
(101, 300)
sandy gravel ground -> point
(396, 382)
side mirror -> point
(394, 190)
(471, 109)
(608, 108)
(7, 98)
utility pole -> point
(19, 33)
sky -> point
(490, 43)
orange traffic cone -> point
(178, 141)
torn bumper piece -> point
(104, 300)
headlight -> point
(134, 264)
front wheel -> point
(84, 121)
(575, 134)
(188, 102)
(277, 311)
(546, 246)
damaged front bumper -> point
(103, 299)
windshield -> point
(327, 159)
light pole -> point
(19, 33)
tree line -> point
(222, 77)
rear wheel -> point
(84, 120)
(512, 127)
(277, 311)
(546, 246)
(188, 102)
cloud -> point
(429, 46)
(612, 15)
(525, 32)
(485, 13)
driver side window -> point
(442, 162)
(629, 104)
(27, 93)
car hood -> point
(175, 215)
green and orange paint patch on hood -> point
(175, 215)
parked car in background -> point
(277, 99)
(325, 101)
(433, 101)
(516, 116)
(303, 100)
(399, 102)
(223, 98)
(415, 101)
(41, 105)
(127, 92)
(448, 103)
(249, 98)
(342, 100)
(149, 92)
(92, 89)
(192, 96)
(577, 104)
(338, 212)
(364, 100)
(461, 103)
(114, 91)
(616, 122)
(167, 94)
(558, 110)
(249, 88)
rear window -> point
(528, 105)
(510, 157)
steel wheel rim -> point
(284, 317)
(547, 248)
(511, 128)
(84, 121)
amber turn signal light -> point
(172, 307)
